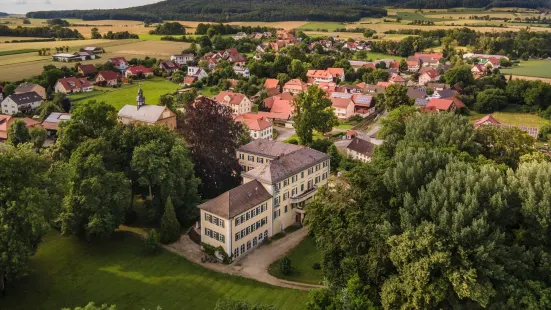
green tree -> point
(93, 306)
(297, 69)
(504, 145)
(170, 228)
(285, 266)
(98, 195)
(460, 74)
(38, 136)
(403, 65)
(313, 111)
(178, 77)
(18, 133)
(336, 157)
(396, 95)
(490, 100)
(23, 198)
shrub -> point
(316, 266)
(292, 140)
(285, 266)
(151, 241)
(170, 228)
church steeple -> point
(140, 99)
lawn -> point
(376, 56)
(69, 273)
(330, 26)
(209, 92)
(302, 258)
(535, 68)
(511, 116)
(118, 97)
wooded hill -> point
(439, 4)
(225, 11)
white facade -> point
(182, 59)
(197, 71)
(9, 106)
(265, 133)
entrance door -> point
(298, 218)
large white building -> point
(21, 103)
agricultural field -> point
(302, 259)
(118, 97)
(66, 272)
(331, 26)
(17, 67)
(531, 68)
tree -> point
(22, 202)
(297, 69)
(38, 136)
(93, 306)
(460, 74)
(313, 111)
(219, 140)
(48, 108)
(403, 65)
(170, 228)
(504, 145)
(151, 241)
(18, 133)
(490, 100)
(336, 157)
(178, 77)
(97, 199)
(396, 95)
(285, 266)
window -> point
(238, 236)
(286, 195)
(248, 230)
(310, 184)
(277, 213)
(266, 234)
(302, 187)
(310, 170)
(276, 201)
(241, 156)
(263, 221)
(324, 176)
(242, 248)
(285, 182)
(261, 236)
(254, 212)
(259, 159)
(324, 164)
(302, 174)
(207, 217)
(294, 192)
(248, 245)
(248, 215)
(254, 241)
(221, 238)
(285, 209)
(251, 158)
(237, 221)
(236, 252)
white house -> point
(243, 71)
(238, 103)
(25, 102)
(120, 63)
(259, 127)
(182, 59)
(429, 75)
(197, 72)
(360, 149)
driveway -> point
(284, 133)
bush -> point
(285, 266)
(292, 140)
(544, 133)
(151, 241)
(316, 266)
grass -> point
(316, 135)
(377, 56)
(67, 272)
(118, 97)
(302, 258)
(535, 68)
(209, 91)
(512, 116)
(330, 26)
(15, 52)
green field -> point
(535, 68)
(511, 116)
(302, 258)
(69, 273)
(331, 26)
(15, 52)
(119, 97)
(376, 56)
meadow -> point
(531, 68)
(302, 259)
(512, 116)
(118, 97)
(67, 272)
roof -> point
(417, 93)
(52, 121)
(169, 65)
(488, 119)
(433, 55)
(275, 115)
(336, 72)
(25, 98)
(342, 103)
(26, 87)
(361, 146)
(280, 105)
(269, 148)
(7, 120)
(146, 113)
(396, 78)
(319, 74)
(447, 93)
(285, 166)
(117, 60)
(71, 83)
(271, 83)
(432, 73)
(110, 75)
(137, 69)
(295, 84)
(362, 100)
(257, 124)
(189, 79)
(87, 69)
(383, 84)
(445, 104)
(237, 200)
(228, 97)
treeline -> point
(120, 35)
(3, 14)
(173, 28)
(58, 22)
(238, 10)
(230, 29)
(41, 32)
(438, 4)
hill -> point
(225, 11)
(439, 4)
(2, 14)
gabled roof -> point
(436, 56)
(71, 83)
(269, 148)
(134, 70)
(417, 93)
(271, 83)
(322, 74)
(295, 84)
(118, 60)
(237, 200)
(446, 93)
(169, 65)
(488, 119)
(396, 78)
(362, 100)
(361, 146)
(87, 69)
(286, 166)
(52, 121)
(336, 72)
(7, 120)
(146, 113)
(341, 103)
(26, 87)
(110, 75)
(431, 72)
(445, 104)
(228, 97)
(25, 98)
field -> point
(15, 52)
(533, 68)
(69, 273)
(118, 97)
(17, 67)
(302, 258)
(511, 116)
(331, 26)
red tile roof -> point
(319, 74)
(137, 69)
(71, 83)
(295, 84)
(432, 73)
(118, 60)
(340, 102)
(228, 97)
(271, 83)
(110, 75)
(488, 119)
(87, 69)
(336, 72)
(436, 56)
(445, 104)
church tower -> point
(140, 99)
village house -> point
(87, 70)
(234, 57)
(85, 55)
(197, 73)
(182, 59)
(259, 127)
(413, 65)
(479, 69)
(295, 86)
(93, 49)
(259, 152)
(108, 78)
(66, 57)
(7, 120)
(138, 71)
(445, 105)
(428, 75)
(169, 66)
(360, 149)
(51, 123)
(271, 84)
(73, 85)
(325, 76)
(343, 108)
(30, 87)
(239, 36)
(396, 79)
(242, 70)
(21, 103)
(238, 103)
(281, 103)
(145, 114)
(120, 63)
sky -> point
(24, 6)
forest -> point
(238, 10)
(41, 32)
(437, 4)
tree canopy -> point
(313, 111)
